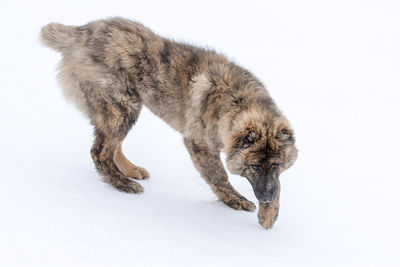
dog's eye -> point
(255, 168)
(274, 166)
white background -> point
(333, 67)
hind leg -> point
(103, 152)
(113, 115)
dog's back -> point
(126, 58)
(115, 32)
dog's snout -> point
(266, 192)
(265, 197)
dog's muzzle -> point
(265, 189)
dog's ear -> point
(247, 140)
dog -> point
(111, 67)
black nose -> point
(265, 197)
(267, 193)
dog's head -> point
(260, 149)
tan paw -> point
(128, 168)
(136, 172)
(145, 174)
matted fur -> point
(111, 67)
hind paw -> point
(136, 172)
(128, 168)
(126, 185)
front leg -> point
(268, 212)
(209, 164)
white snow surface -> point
(333, 67)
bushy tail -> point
(58, 36)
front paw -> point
(267, 214)
(240, 203)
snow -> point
(332, 67)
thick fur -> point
(110, 68)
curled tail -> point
(58, 36)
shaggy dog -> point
(111, 67)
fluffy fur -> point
(110, 68)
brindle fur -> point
(111, 67)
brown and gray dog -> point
(111, 67)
